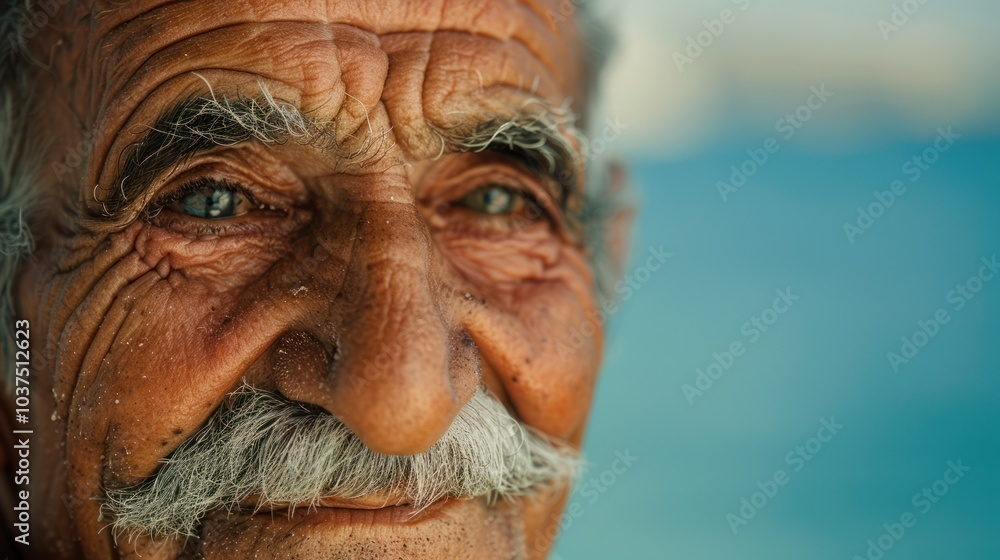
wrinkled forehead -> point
(532, 22)
(532, 44)
(412, 66)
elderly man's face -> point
(322, 200)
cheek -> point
(151, 379)
(534, 318)
(217, 264)
(162, 335)
(171, 325)
(546, 357)
(499, 263)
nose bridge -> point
(392, 230)
(389, 284)
(391, 380)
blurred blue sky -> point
(826, 358)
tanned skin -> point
(140, 331)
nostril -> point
(300, 364)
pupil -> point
(212, 204)
(497, 200)
(221, 202)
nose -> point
(400, 369)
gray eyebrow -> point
(540, 136)
(195, 126)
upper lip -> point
(370, 502)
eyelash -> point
(229, 227)
(530, 200)
(195, 185)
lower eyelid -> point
(187, 226)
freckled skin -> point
(139, 334)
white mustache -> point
(260, 445)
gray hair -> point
(21, 147)
(275, 453)
(218, 120)
(20, 165)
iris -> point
(211, 203)
(491, 199)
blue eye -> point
(211, 200)
(495, 200)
